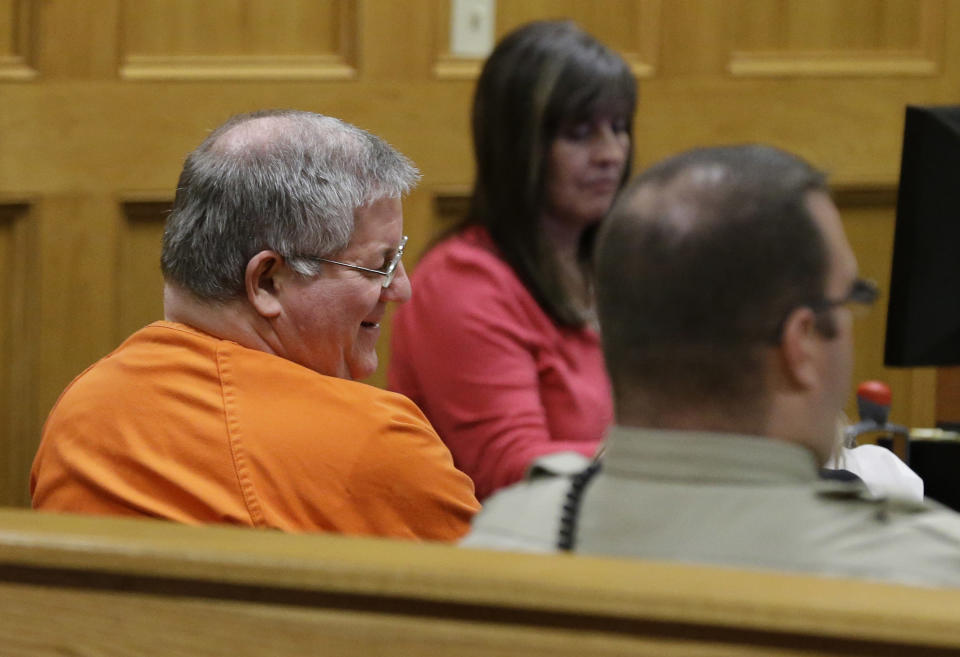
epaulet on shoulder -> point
(883, 504)
(558, 464)
(903, 505)
(842, 489)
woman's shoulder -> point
(465, 276)
(466, 254)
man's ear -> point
(261, 283)
(800, 347)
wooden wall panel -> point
(948, 396)
(824, 37)
(16, 40)
(9, 45)
(139, 281)
(631, 26)
(238, 39)
(77, 234)
(18, 421)
(868, 217)
(75, 41)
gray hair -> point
(283, 180)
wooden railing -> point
(72, 585)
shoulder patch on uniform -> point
(559, 464)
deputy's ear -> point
(261, 283)
(800, 347)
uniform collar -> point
(700, 456)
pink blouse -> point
(500, 382)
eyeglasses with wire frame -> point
(863, 293)
(388, 272)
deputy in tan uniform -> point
(725, 287)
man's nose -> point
(399, 289)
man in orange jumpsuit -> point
(243, 406)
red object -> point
(877, 392)
(501, 382)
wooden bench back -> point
(103, 586)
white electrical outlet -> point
(471, 27)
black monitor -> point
(923, 315)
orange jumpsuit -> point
(181, 425)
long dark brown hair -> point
(540, 77)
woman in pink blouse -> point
(499, 345)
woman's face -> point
(584, 167)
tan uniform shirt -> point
(726, 499)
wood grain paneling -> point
(823, 37)
(632, 27)
(868, 218)
(18, 424)
(238, 39)
(16, 40)
(139, 281)
(77, 258)
(76, 40)
(948, 396)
